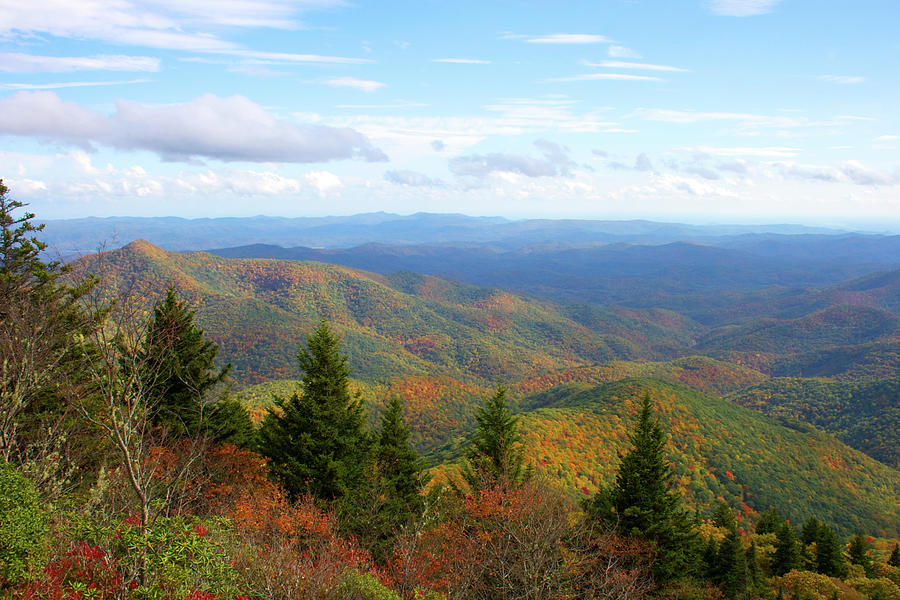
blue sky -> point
(697, 110)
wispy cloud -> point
(287, 57)
(568, 38)
(228, 129)
(619, 64)
(15, 62)
(604, 76)
(555, 162)
(365, 85)
(462, 61)
(742, 8)
(758, 152)
(841, 79)
(622, 52)
(382, 106)
(67, 84)
(411, 178)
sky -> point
(705, 111)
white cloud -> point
(67, 84)
(462, 61)
(352, 82)
(841, 79)
(569, 38)
(15, 62)
(887, 138)
(555, 162)
(742, 8)
(606, 76)
(229, 129)
(622, 52)
(411, 178)
(761, 152)
(618, 64)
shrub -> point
(23, 526)
(361, 586)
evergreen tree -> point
(858, 553)
(646, 505)
(810, 531)
(723, 517)
(317, 440)
(710, 559)
(228, 422)
(179, 368)
(731, 569)
(787, 551)
(754, 576)
(894, 558)
(39, 364)
(398, 482)
(829, 556)
(769, 522)
(496, 456)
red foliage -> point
(84, 571)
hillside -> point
(864, 415)
(719, 450)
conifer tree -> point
(894, 558)
(810, 531)
(829, 556)
(496, 456)
(787, 551)
(753, 572)
(179, 368)
(646, 505)
(769, 522)
(858, 553)
(732, 573)
(400, 466)
(317, 440)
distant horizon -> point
(837, 225)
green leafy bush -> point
(23, 526)
(361, 586)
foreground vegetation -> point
(129, 472)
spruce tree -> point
(732, 574)
(496, 456)
(894, 558)
(810, 531)
(317, 440)
(858, 553)
(179, 368)
(829, 555)
(787, 551)
(646, 505)
(769, 522)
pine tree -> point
(769, 522)
(723, 517)
(317, 440)
(646, 505)
(39, 364)
(894, 558)
(400, 466)
(858, 553)
(179, 368)
(398, 482)
(732, 573)
(753, 572)
(829, 556)
(496, 456)
(787, 551)
(810, 531)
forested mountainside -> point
(441, 345)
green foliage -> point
(645, 504)
(731, 566)
(894, 558)
(862, 414)
(170, 558)
(769, 522)
(179, 369)
(829, 553)
(723, 517)
(23, 526)
(496, 455)
(858, 553)
(787, 550)
(361, 586)
(228, 422)
(810, 531)
(317, 440)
